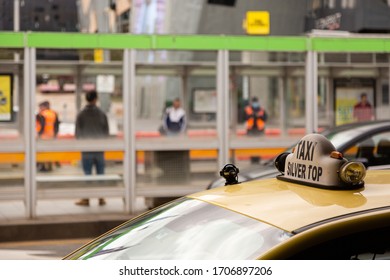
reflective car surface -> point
(265, 219)
(186, 229)
(320, 206)
(367, 142)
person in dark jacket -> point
(92, 123)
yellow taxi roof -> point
(290, 206)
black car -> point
(367, 142)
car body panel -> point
(290, 206)
(322, 233)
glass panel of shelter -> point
(275, 84)
(11, 129)
(172, 159)
(60, 168)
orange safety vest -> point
(251, 119)
(49, 128)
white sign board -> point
(205, 101)
(105, 83)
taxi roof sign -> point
(315, 162)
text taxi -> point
(315, 161)
(321, 206)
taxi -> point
(320, 206)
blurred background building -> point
(196, 17)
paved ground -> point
(61, 219)
(40, 250)
(14, 211)
(60, 228)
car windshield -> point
(185, 229)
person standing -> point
(47, 122)
(47, 127)
(92, 123)
(362, 111)
(174, 119)
(255, 117)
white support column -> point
(388, 89)
(79, 88)
(16, 15)
(223, 107)
(16, 82)
(282, 82)
(315, 91)
(29, 132)
(129, 174)
(311, 102)
(186, 97)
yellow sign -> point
(98, 55)
(257, 23)
(5, 97)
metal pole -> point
(186, 97)
(223, 106)
(226, 99)
(308, 94)
(16, 25)
(129, 176)
(283, 100)
(32, 131)
(29, 132)
(311, 93)
(16, 15)
(17, 56)
(26, 132)
(233, 95)
(79, 88)
(315, 91)
(388, 87)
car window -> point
(339, 138)
(340, 135)
(366, 245)
(382, 151)
(186, 229)
(373, 151)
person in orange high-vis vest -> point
(47, 126)
(47, 122)
(255, 117)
